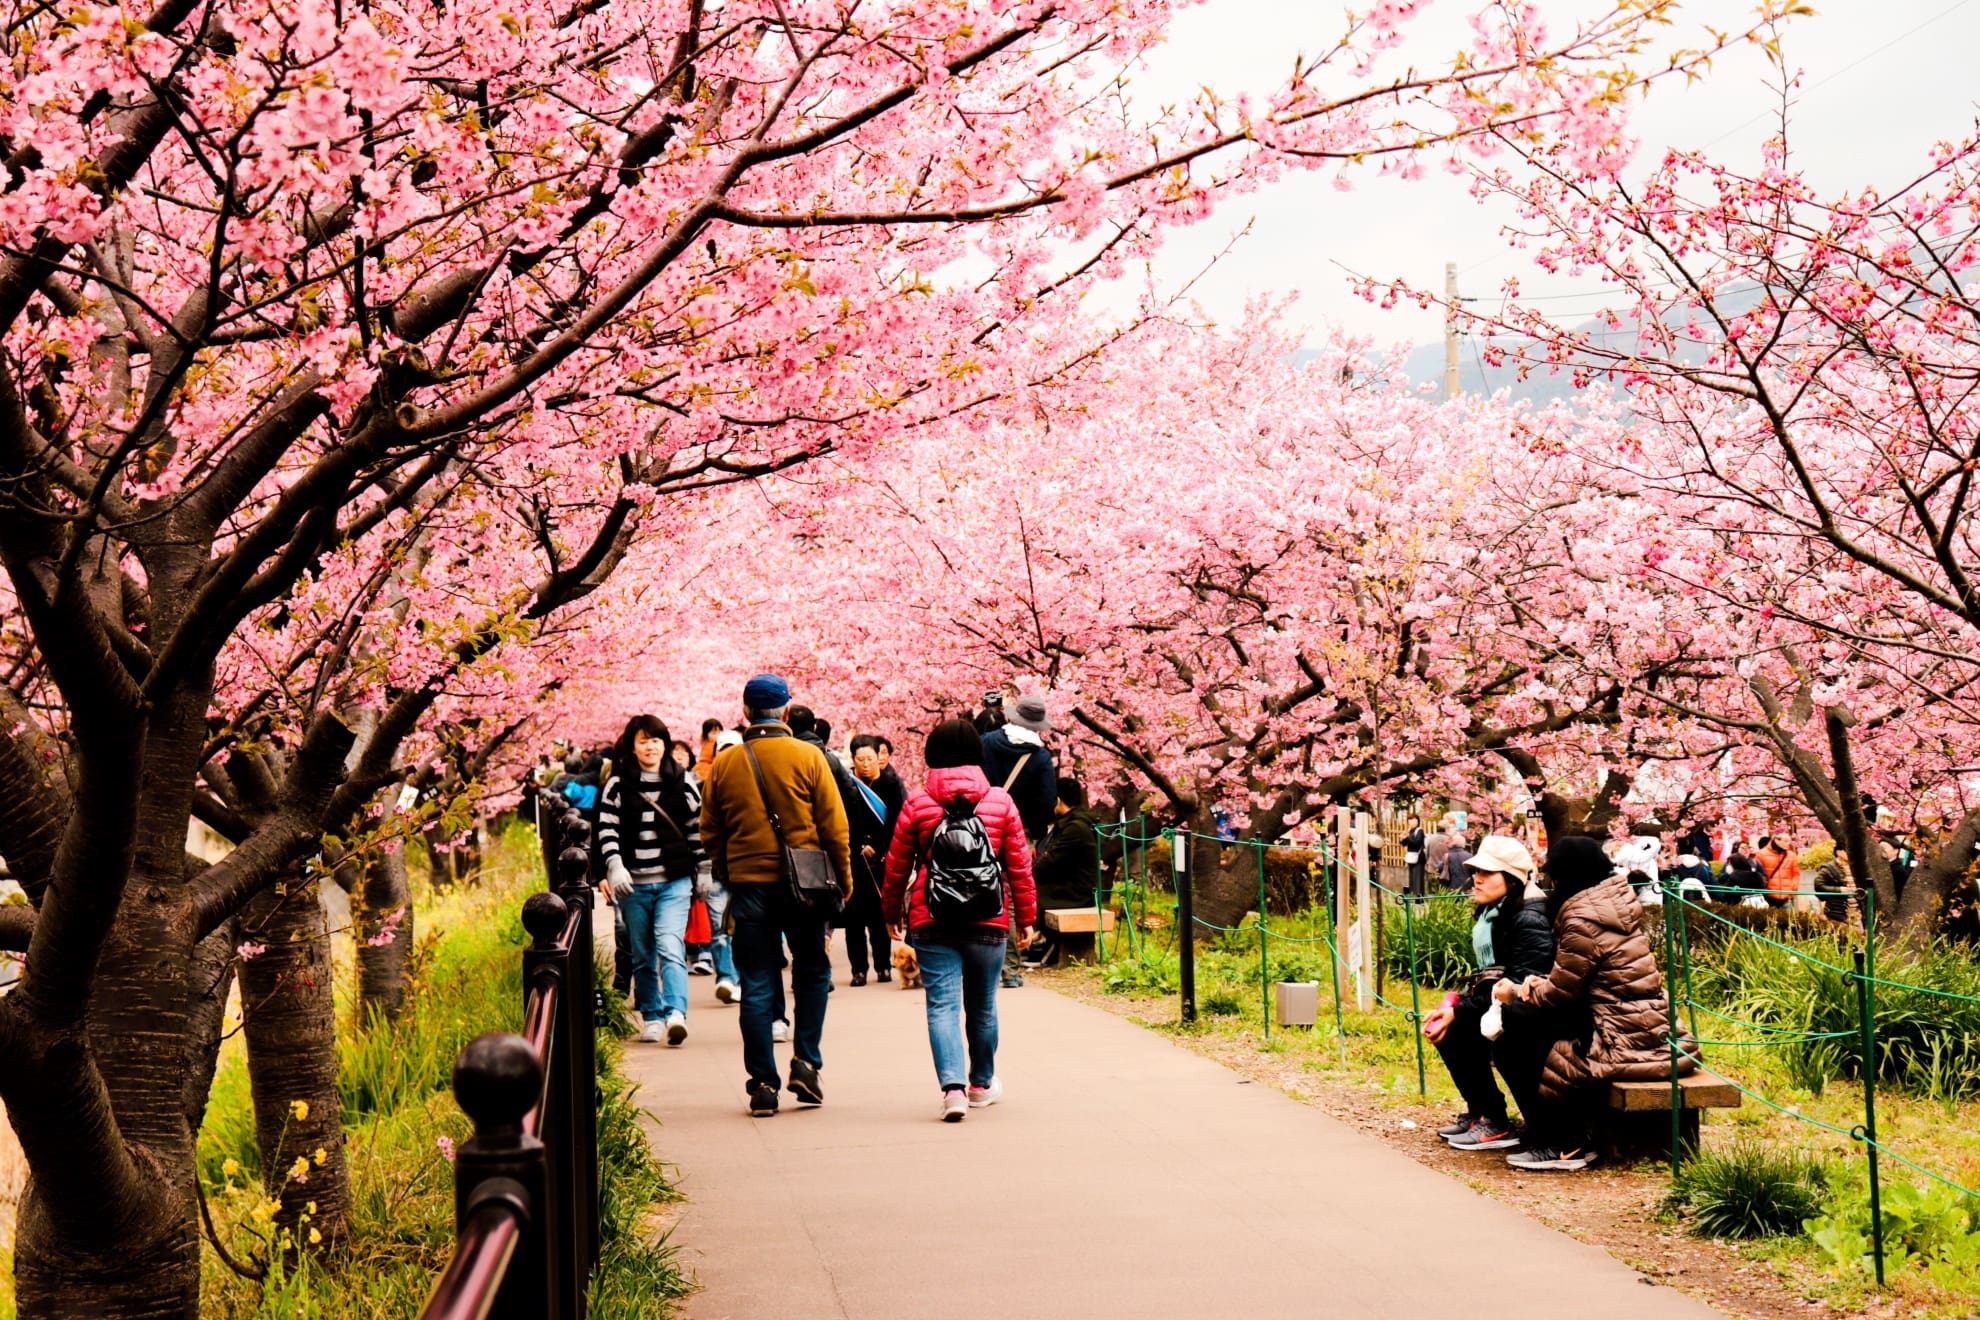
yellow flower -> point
(309, 1208)
(300, 1169)
(319, 1156)
(314, 1237)
(231, 1167)
(299, 1109)
(267, 1209)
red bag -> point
(699, 931)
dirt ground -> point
(1614, 1208)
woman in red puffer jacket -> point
(961, 961)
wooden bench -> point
(1073, 930)
(1637, 1121)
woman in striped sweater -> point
(649, 836)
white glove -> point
(617, 878)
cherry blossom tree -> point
(1251, 587)
(348, 347)
(1801, 372)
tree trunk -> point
(212, 982)
(1225, 884)
(1908, 921)
(128, 1247)
(292, 1057)
(384, 939)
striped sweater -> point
(631, 829)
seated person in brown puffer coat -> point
(1607, 1000)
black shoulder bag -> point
(808, 871)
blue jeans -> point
(763, 917)
(656, 935)
(961, 985)
(725, 958)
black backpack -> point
(965, 880)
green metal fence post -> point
(1867, 1006)
(1684, 956)
(1264, 986)
(1673, 902)
(1099, 891)
(1415, 1001)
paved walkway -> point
(1122, 1176)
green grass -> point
(395, 1083)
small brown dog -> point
(908, 966)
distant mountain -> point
(1425, 363)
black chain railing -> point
(526, 1183)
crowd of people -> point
(1704, 864)
(741, 858)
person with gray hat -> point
(1016, 759)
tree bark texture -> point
(1226, 887)
(291, 1028)
(212, 983)
(382, 966)
(108, 1222)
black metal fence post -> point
(546, 984)
(581, 1016)
(499, 1171)
(1185, 922)
(526, 1186)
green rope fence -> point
(1134, 838)
(1861, 972)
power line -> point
(1859, 60)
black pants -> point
(1521, 1053)
(865, 926)
(1468, 1056)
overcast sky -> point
(1883, 79)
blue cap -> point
(766, 692)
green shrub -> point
(1748, 1191)
(1305, 962)
(1154, 972)
(1442, 937)
(1221, 1003)
(1933, 1225)
(1927, 1043)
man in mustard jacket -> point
(763, 912)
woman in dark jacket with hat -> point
(1605, 1001)
(1512, 938)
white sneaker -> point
(979, 1096)
(725, 991)
(676, 1028)
(780, 1031)
(650, 1031)
(955, 1105)
(702, 967)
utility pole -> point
(1450, 331)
